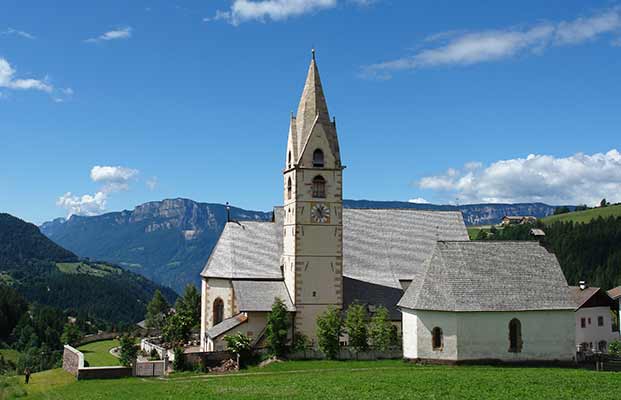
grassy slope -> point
(585, 216)
(10, 355)
(98, 353)
(352, 380)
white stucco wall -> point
(546, 335)
(211, 289)
(592, 333)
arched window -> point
(318, 159)
(602, 346)
(218, 311)
(437, 340)
(289, 160)
(515, 336)
(319, 187)
(289, 186)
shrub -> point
(71, 334)
(614, 348)
(177, 329)
(277, 328)
(381, 330)
(179, 363)
(356, 327)
(329, 328)
(129, 351)
(300, 343)
(240, 345)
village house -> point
(517, 220)
(315, 254)
(594, 323)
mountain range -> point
(169, 241)
(46, 273)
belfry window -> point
(289, 160)
(319, 187)
(289, 185)
(515, 336)
(218, 311)
(318, 161)
(437, 339)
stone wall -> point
(150, 368)
(104, 372)
(346, 354)
(73, 360)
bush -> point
(614, 348)
(329, 328)
(300, 343)
(381, 330)
(240, 345)
(177, 329)
(356, 327)
(129, 351)
(277, 328)
(179, 363)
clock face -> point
(320, 213)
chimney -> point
(582, 285)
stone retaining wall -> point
(73, 360)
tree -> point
(190, 304)
(561, 210)
(603, 203)
(380, 330)
(157, 310)
(12, 307)
(614, 348)
(129, 351)
(329, 329)
(240, 345)
(177, 329)
(277, 328)
(71, 334)
(356, 327)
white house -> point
(594, 327)
(489, 300)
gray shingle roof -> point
(380, 246)
(260, 295)
(226, 325)
(490, 276)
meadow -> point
(393, 379)
(585, 216)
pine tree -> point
(157, 309)
(189, 304)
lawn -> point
(351, 380)
(585, 216)
(97, 354)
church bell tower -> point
(312, 259)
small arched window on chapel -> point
(318, 161)
(319, 187)
(218, 311)
(437, 339)
(289, 189)
(515, 336)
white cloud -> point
(83, 205)
(576, 179)
(275, 10)
(112, 179)
(17, 32)
(152, 183)
(418, 200)
(115, 34)
(8, 80)
(493, 45)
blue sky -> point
(105, 106)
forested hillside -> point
(586, 251)
(45, 273)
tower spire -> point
(312, 104)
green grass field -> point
(585, 216)
(341, 380)
(97, 354)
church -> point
(316, 254)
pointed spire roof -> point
(312, 105)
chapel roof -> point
(380, 246)
(260, 295)
(489, 276)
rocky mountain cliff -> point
(170, 241)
